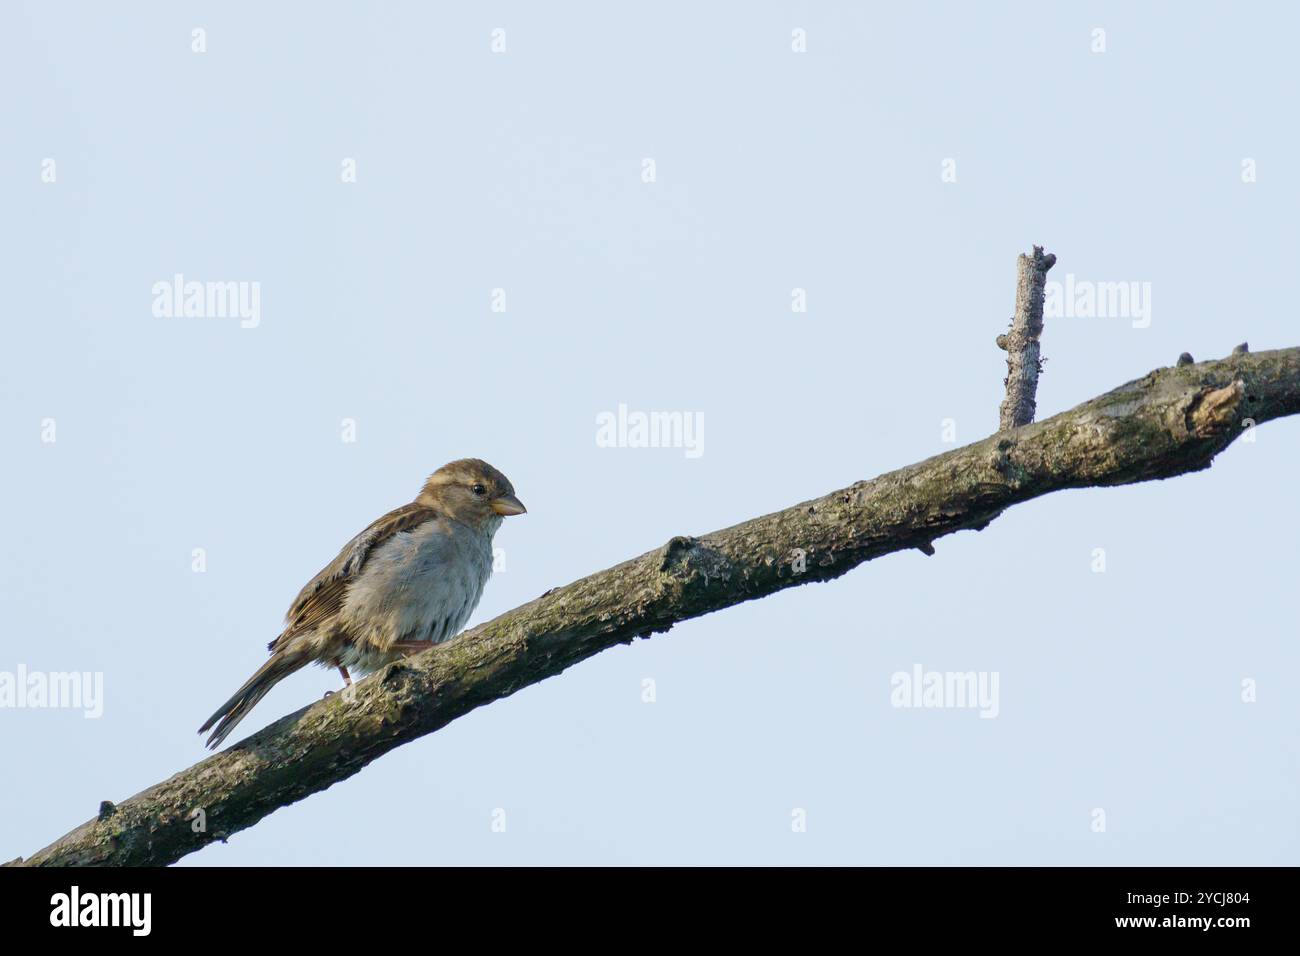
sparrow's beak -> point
(508, 505)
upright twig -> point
(1021, 343)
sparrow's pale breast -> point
(420, 585)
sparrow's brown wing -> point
(323, 595)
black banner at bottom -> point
(330, 906)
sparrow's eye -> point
(479, 490)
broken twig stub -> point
(1021, 343)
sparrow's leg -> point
(347, 678)
(410, 647)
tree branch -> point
(1169, 422)
(1021, 343)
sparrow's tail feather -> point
(230, 713)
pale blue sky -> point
(775, 170)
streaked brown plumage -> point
(409, 580)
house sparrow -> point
(407, 582)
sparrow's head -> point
(473, 492)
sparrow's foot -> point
(347, 678)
